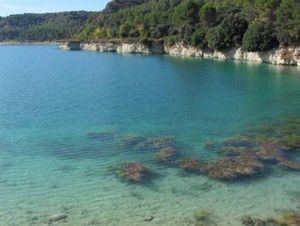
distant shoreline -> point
(4, 43)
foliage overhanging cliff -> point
(256, 25)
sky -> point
(8, 7)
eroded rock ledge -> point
(280, 56)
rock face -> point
(280, 56)
(125, 48)
(72, 45)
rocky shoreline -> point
(280, 56)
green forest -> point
(42, 27)
(254, 25)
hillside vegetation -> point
(42, 27)
(116, 5)
(256, 25)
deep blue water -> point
(50, 99)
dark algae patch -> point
(134, 172)
(243, 155)
(249, 153)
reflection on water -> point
(107, 139)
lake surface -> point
(51, 164)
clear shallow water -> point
(50, 100)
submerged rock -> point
(191, 165)
(235, 150)
(99, 135)
(149, 218)
(248, 221)
(227, 168)
(290, 218)
(57, 217)
(161, 142)
(210, 145)
(134, 172)
(201, 215)
(165, 155)
(231, 168)
(132, 140)
(292, 142)
(71, 45)
(270, 151)
(239, 141)
(289, 164)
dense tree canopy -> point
(42, 27)
(259, 36)
(216, 24)
(255, 25)
(115, 5)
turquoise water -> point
(50, 99)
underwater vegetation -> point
(226, 168)
(286, 218)
(249, 153)
(249, 221)
(100, 135)
(161, 142)
(142, 143)
(289, 164)
(210, 145)
(161, 148)
(132, 141)
(234, 167)
(192, 165)
(134, 172)
(202, 217)
(165, 155)
(238, 141)
(239, 156)
(290, 218)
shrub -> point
(134, 33)
(229, 32)
(208, 15)
(186, 12)
(288, 22)
(234, 26)
(160, 31)
(145, 41)
(217, 38)
(170, 40)
(259, 37)
(185, 32)
(198, 38)
(111, 33)
(124, 30)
